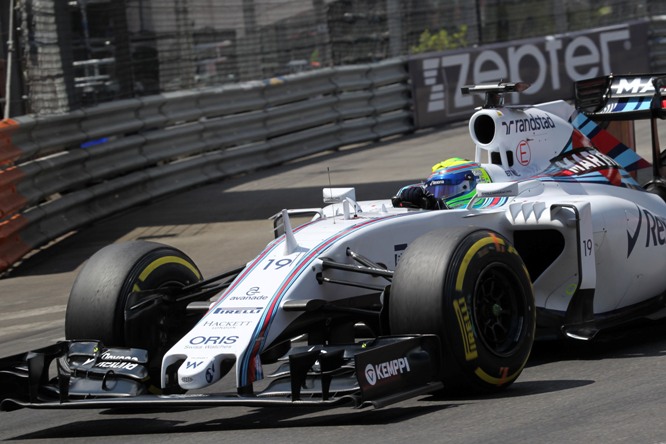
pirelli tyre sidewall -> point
(469, 286)
(489, 314)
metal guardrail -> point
(658, 43)
(62, 172)
(66, 171)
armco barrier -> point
(111, 118)
(181, 107)
(116, 158)
(300, 87)
(356, 131)
(54, 134)
(352, 78)
(390, 98)
(235, 130)
(149, 113)
(10, 151)
(657, 43)
(11, 199)
(237, 99)
(299, 116)
(387, 73)
(58, 173)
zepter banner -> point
(551, 64)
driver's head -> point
(454, 180)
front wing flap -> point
(86, 374)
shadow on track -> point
(646, 338)
(263, 418)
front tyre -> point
(113, 298)
(470, 287)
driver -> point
(452, 184)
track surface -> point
(609, 392)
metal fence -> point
(129, 116)
(71, 54)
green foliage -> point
(441, 40)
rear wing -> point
(622, 97)
(627, 97)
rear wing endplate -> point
(622, 97)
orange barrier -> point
(10, 199)
(8, 151)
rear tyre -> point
(470, 287)
(104, 303)
(657, 186)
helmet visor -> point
(440, 191)
(450, 184)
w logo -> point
(193, 364)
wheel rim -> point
(499, 309)
(158, 321)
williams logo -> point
(654, 226)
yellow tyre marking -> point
(498, 381)
(162, 261)
(470, 254)
(167, 260)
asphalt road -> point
(609, 392)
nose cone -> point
(197, 373)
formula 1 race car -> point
(369, 304)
